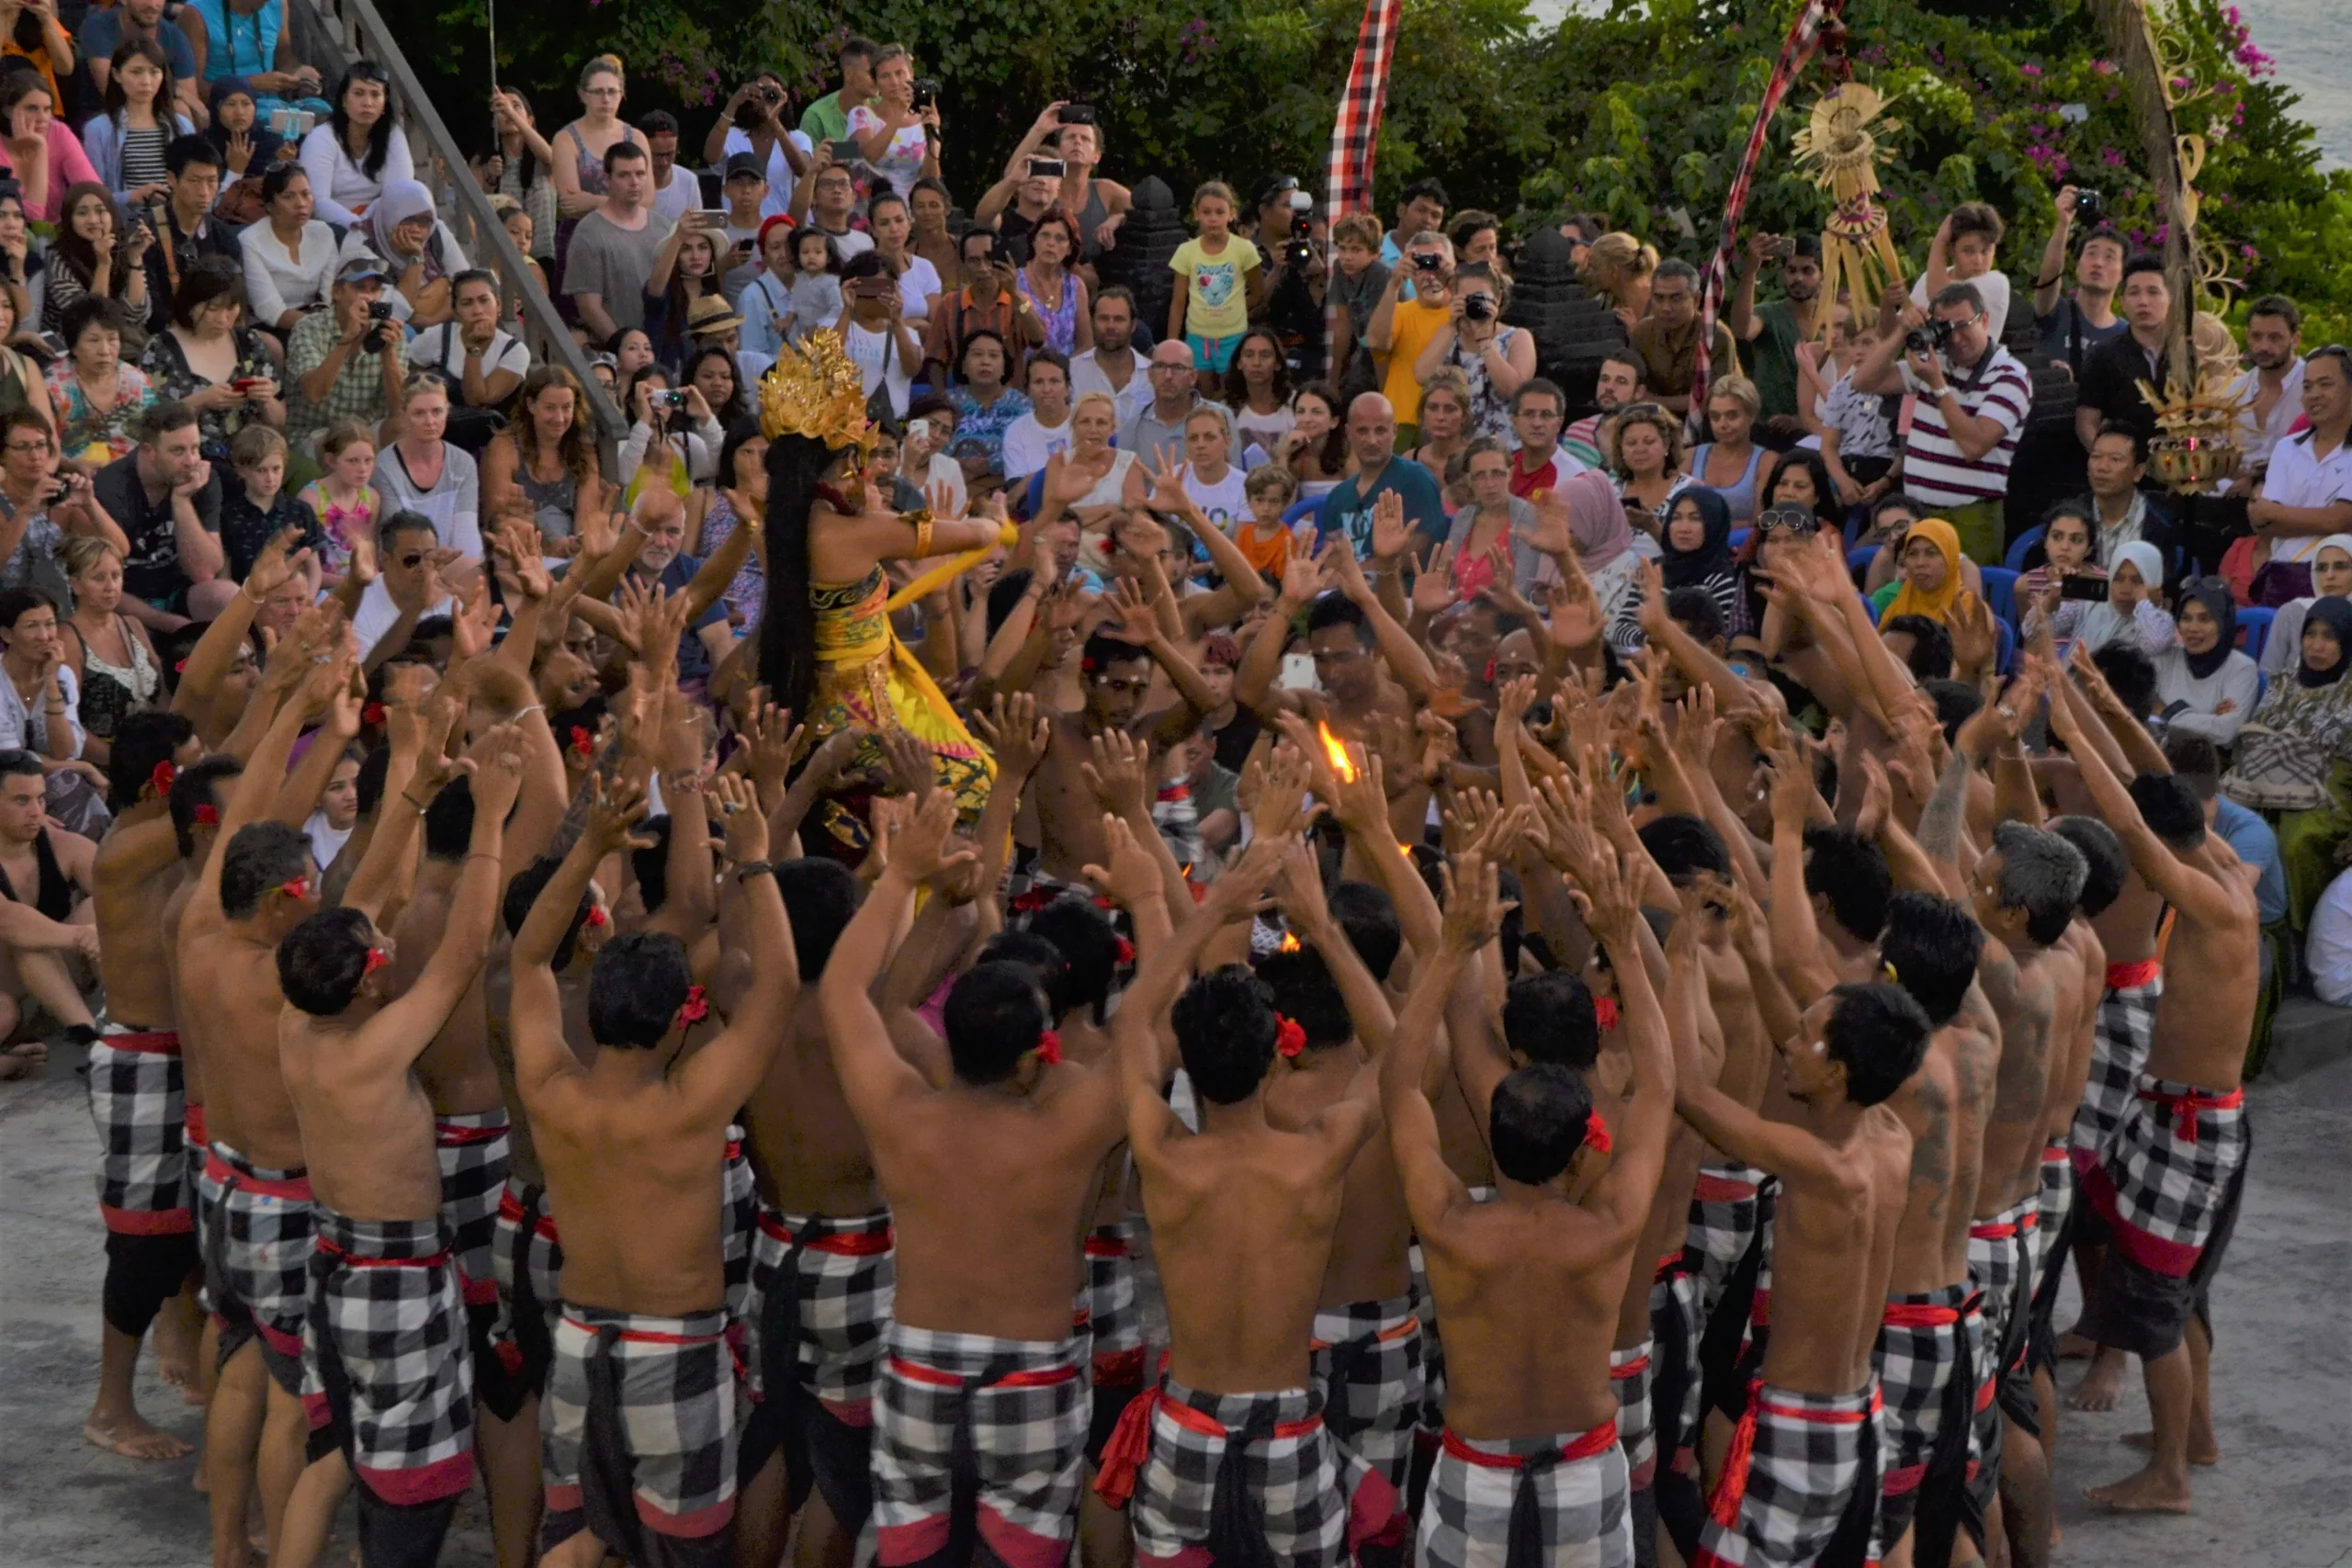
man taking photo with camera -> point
(346, 360)
(1973, 398)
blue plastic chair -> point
(2001, 592)
(1859, 558)
(1870, 608)
(1307, 507)
(1036, 494)
(2254, 629)
(2261, 689)
(2005, 659)
(1739, 539)
(2015, 559)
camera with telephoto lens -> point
(1478, 306)
(2089, 208)
(1930, 336)
(1298, 248)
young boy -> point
(1357, 286)
(1270, 490)
(257, 508)
(1962, 252)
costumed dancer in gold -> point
(827, 650)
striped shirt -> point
(1935, 470)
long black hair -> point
(379, 135)
(796, 465)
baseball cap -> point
(742, 165)
(361, 268)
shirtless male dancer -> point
(1229, 1458)
(1530, 1469)
(992, 1177)
(2169, 1181)
(637, 1422)
(1803, 1466)
(138, 1090)
(386, 1349)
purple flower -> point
(2249, 253)
(2029, 71)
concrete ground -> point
(2277, 1500)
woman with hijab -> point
(2130, 613)
(420, 253)
(1931, 584)
(2294, 757)
(1697, 544)
(2204, 685)
(2331, 578)
(1584, 515)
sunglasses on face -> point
(412, 561)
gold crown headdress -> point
(816, 389)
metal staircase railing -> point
(329, 34)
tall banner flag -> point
(1358, 127)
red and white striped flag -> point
(1356, 131)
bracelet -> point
(422, 806)
(921, 521)
(750, 869)
(516, 715)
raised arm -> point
(1626, 1189)
(1407, 660)
(420, 1010)
(535, 1006)
(1473, 915)
(1797, 949)
(721, 1076)
(1262, 662)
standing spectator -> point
(765, 297)
(421, 473)
(1667, 338)
(345, 362)
(1098, 206)
(126, 142)
(31, 33)
(1773, 331)
(205, 360)
(2118, 462)
(1963, 250)
(189, 230)
(105, 29)
(1371, 436)
(1415, 307)
(875, 332)
(249, 39)
(525, 169)
(583, 153)
(1114, 366)
(289, 257)
(826, 202)
(2113, 371)
(987, 302)
(1537, 410)
(751, 126)
(2078, 321)
(1973, 401)
(482, 364)
(1493, 358)
(1156, 431)
(1618, 386)
(1217, 283)
(417, 250)
(816, 299)
(92, 259)
(166, 500)
(43, 154)
(2204, 685)
(930, 207)
(1053, 291)
(112, 658)
(2331, 578)
(1037, 434)
(897, 138)
(1022, 195)
(1859, 446)
(1732, 464)
(1624, 268)
(1420, 210)
(889, 225)
(2271, 392)
(614, 247)
(2307, 494)
(97, 396)
(827, 119)
(742, 471)
(685, 269)
(676, 189)
(1358, 282)
(359, 146)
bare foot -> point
(22, 1061)
(2073, 1346)
(2142, 1491)
(2202, 1449)
(133, 1439)
(180, 1372)
(2102, 1385)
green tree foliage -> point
(1639, 114)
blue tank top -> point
(1739, 495)
(239, 45)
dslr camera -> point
(1297, 248)
(1930, 336)
(926, 91)
(2090, 208)
(1478, 306)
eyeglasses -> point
(1159, 365)
(27, 445)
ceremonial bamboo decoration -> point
(1837, 149)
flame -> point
(1337, 750)
(1290, 942)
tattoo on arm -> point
(1931, 1150)
(1940, 823)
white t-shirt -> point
(916, 286)
(1028, 443)
(1993, 287)
(2328, 949)
(1086, 376)
(876, 359)
(2298, 478)
(778, 203)
(378, 613)
(1224, 502)
(443, 348)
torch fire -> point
(1290, 942)
(1337, 750)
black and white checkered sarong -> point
(1807, 1455)
(1579, 1513)
(139, 1103)
(637, 1434)
(2120, 1036)
(473, 1149)
(257, 1260)
(1226, 1468)
(1367, 1378)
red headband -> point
(1596, 1133)
(1290, 1036)
(163, 776)
(1049, 1047)
(1604, 1014)
(696, 1007)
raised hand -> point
(1017, 733)
(613, 816)
(1133, 874)
(774, 740)
(1302, 579)
(1975, 642)
(908, 762)
(919, 852)
(1132, 612)
(1474, 907)
(1279, 808)
(498, 771)
(737, 800)
(1119, 772)
(1606, 902)
(1433, 584)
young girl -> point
(684, 269)
(1210, 309)
(127, 142)
(345, 503)
(815, 298)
